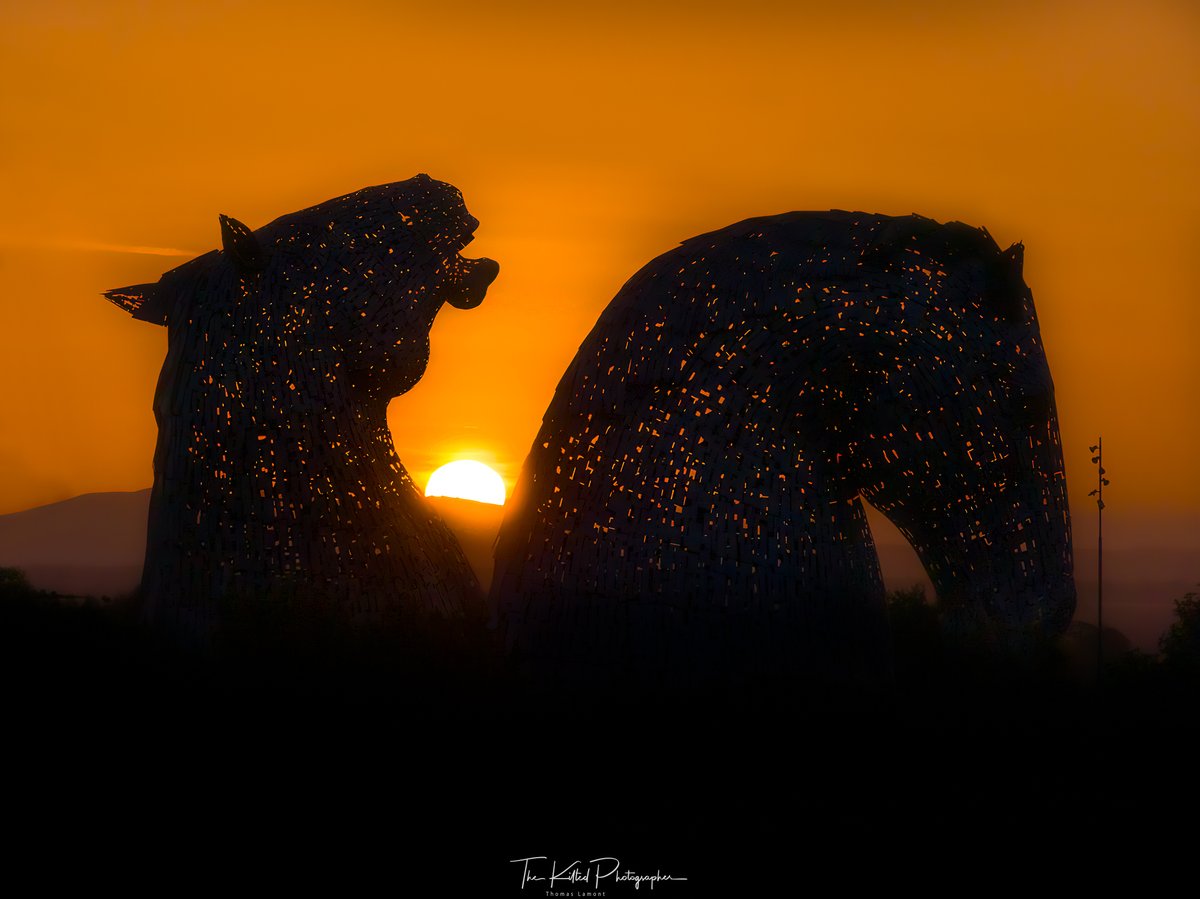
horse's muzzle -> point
(474, 284)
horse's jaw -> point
(996, 606)
(1000, 556)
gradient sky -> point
(588, 142)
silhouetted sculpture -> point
(275, 477)
(692, 505)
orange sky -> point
(588, 142)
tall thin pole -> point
(1101, 483)
(1100, 558)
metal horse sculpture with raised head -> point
(693, 503)
(275, 475)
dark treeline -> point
(303, 742)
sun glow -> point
(467, 479)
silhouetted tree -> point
(14, 583)
(1180, 646)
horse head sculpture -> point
(692, 504)
(275, 472)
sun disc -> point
(467, 479)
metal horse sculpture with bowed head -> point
(693, 503)
(275, 476)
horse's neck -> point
(688, 446)
(271, 433)
(690, 382)
(673, 446)
(702, 482)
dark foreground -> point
(337, 768)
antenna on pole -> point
(1101, 483)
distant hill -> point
(475, 525)
(89, 545)
(93, 545)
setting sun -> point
(467, 479)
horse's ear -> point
(241, 246)
(1009, 293)
(147, 302)
(1016, 256)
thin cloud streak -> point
(93, 246)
